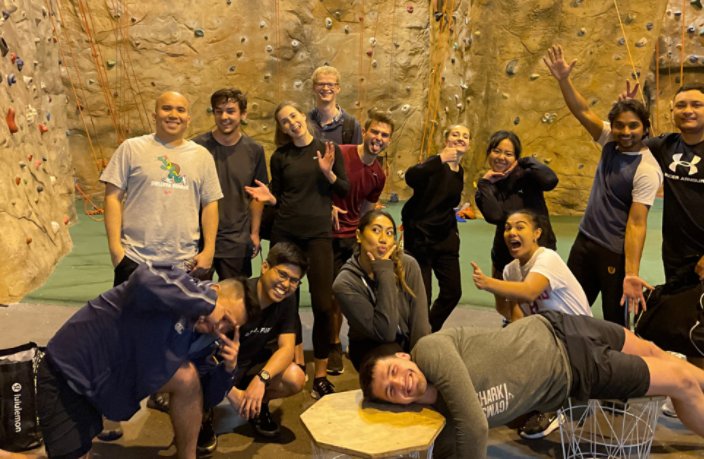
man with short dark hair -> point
(329, 119)
(605, 257)
(239, 162)
(135, 340)
(265, 367)
(366, 176)
(578, 356)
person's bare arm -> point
(209, 229)
(578, 105)
(113, 222)
(525, 291)
(633, 285)
(256, 209)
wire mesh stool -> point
(609, 428)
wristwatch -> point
(265, 377)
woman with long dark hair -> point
(380, 291)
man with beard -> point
(367, 178)
(605, 257)
(240, 162)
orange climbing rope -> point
(634, 72)
(95, 209)
(682, 44)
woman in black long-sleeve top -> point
(511, 184)
(305, 172)
(429, 224)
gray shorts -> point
(599, 369)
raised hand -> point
(629, 93)
(479, 278)
(450, 155)
(229, 348)
(336, 211)
(556, 63)
(326, 161)
(386, 256)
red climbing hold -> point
(28, 240)
(66, 219)
(409, 8)
(370, 52)
(42, 128)
(11, 120)
(17, 181)
(13, 57)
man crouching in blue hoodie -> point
(135, 340)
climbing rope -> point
(634, 71)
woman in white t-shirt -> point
(537, 279)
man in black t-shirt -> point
(681, 157)
(265, 367)
(240, 162)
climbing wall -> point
(36, 175)
(679, 58)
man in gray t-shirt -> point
(156, 188)
(481, 379)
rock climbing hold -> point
(37, 164)
(547, 160)
(209, 110)
(691, 28)
(269, 48)
(534, 76)
(512, 67)
(693, 58)
(28, 240)
(229, 2)
(374, 63)
(696, 3)
(295, 44)
(198, 32)
(10, 118)
(549, 118)
(243, 39)
(66, 220)
(642, 42)
(701, 32)
(52, 179)
(409, 8)
(40, 188)
(55, 227)
(328, 23)
(678, 14)
(405, 108)
(649, 26)
(29, 157)
(621, 41)
(4, 49)
(393, 197)
(298, 84)
(6, 14)
(372, 42)
(232, 69)
(19, 63)
(22, 164)
(517, 121)
(110, 63)
(27, 80)
(262, 24)
(13, 57)
(580, 166)
(630, 17)
(370, 52)
(581, 32)
(17, 181)
(347, 29)
(238, 54)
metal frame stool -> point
(609, 428)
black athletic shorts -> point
(68, 420)
(599, 369)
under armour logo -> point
(179, 327)
(677, 161)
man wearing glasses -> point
(330, 120)
(265, 368)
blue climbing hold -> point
(19, 63)
(198, 32)
(11, 79)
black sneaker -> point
(264, 424)
(539, 425)
(335, 365)
(321, 388)
(207, 440)
(112, 430)
(159, 402)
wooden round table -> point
(344, 425)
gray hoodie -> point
(379, 310)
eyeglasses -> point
(284, 276)
(502, 152)
(326, 85)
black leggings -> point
(320, 267)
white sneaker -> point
(667, 409)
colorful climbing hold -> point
(110, 63)
(66, 219)
(328, 23)
(696, 3)
(370, 52)
(17, 181)
(42, 128)
(10, 118)
(4, 49)
(28, 240)
(19, 63)
(512, 67)
(11, 79)
(199, 32)
(40, 188)
(37, 164)
(13, 57)
(409, 8)
(55, 227)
